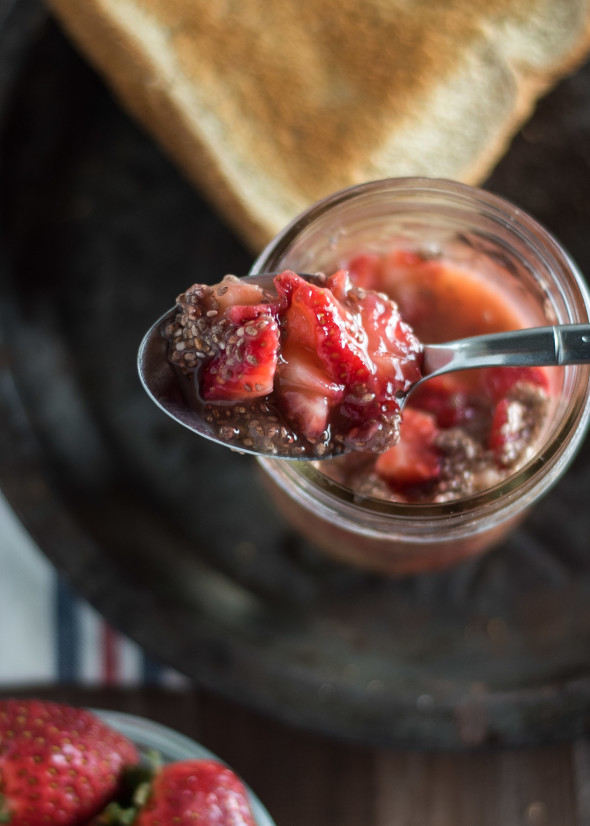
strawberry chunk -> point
(301, 371)
(391, 344)
(509, 431)
(308, 412)
(245, 367)
(356, 351)
(497, 382)
(366, 271)
(305, 392)
(317, 320)
(358, 341)
(415, 459)
(340, 284)
(232, 291)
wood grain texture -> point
(305, 779)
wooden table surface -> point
(306, 779)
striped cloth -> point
(48, 634)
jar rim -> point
(415, 186)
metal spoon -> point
(537, 346)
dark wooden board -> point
(172, 538)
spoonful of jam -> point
(310, 366)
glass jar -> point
(473, 228)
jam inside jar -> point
(459, 261)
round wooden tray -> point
(171, 537)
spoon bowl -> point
(176, 394)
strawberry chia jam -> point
(461, 432)
(313, 366)
(319, 367)
(458, 261)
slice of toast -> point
(269, 106)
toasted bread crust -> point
(267, 109)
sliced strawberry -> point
(366, 271)
(415, 458)
(233, 291)
(245, 367)
(497, 382)
(383, 271)
(414, 282)
(305, 392)
(391, 344)
(359, 343)
(339, 284)
(309, 413)
(302, 371)
(318, 321)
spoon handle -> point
(561, 344)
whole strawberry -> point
(58, 764)
(185, 793)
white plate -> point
(171, 746)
